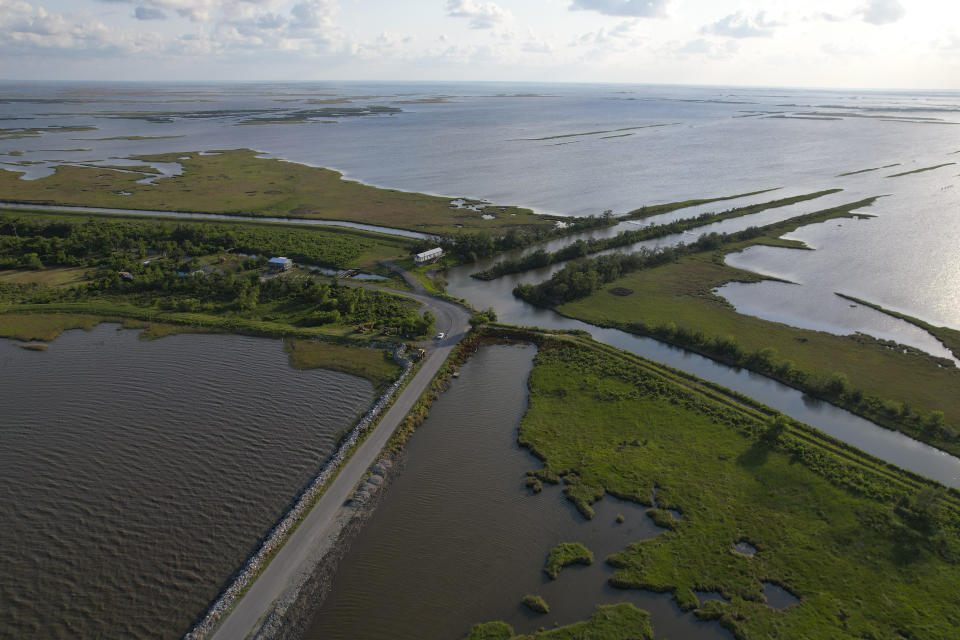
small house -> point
(428, 255)
(279, 264)
(186, 269)
(126, 275)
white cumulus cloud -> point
(738, 25)
(881, 12)
(482, 15)
(628, 8)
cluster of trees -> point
(109, 248)
(582, 278)
(34, 244)
(470, 247)
(835, 387)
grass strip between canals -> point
(540, 258)
(669, 295)
(869, 550)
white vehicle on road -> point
(440, 336)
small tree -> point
(837, 384)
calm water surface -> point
(459, 540)
(136, 476)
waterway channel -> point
(885, 444)
(459, 540)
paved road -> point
(317, 526)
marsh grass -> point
(376, 365)
(841, 531)
(536, 604)
(241, 183)
(564, 555)
(907, 173)
(608, 622)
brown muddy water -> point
(136, 476)
(459, 540)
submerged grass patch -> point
(595, 133)
(853, 173)
(906, 173)
(609, 622)
(870, 551)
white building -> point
(280, 263)
(427, 256)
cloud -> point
(737, 25)
(621, 31)
(704, 47)
(482, 15)
(308, 28)
(315, 14)
(148, 13)
(881, 12)
(629, 8)
(28, 29)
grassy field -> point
(56, 277)
(679, 297)
(612, 622)
(870, 551)
(239, 182)
(375, 365)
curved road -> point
(320, 523)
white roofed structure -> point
(428, 255)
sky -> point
(883, 44)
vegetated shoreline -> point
(949, 338)
(926, 424)
(594, 379)
(581, 248)
(241, 182)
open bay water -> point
(137, 476)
